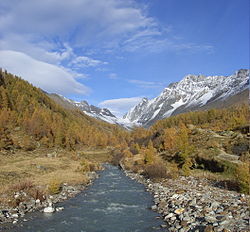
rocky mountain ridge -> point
(193, 92)
(91, 110)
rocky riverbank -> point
(14, 214)
(194, 204)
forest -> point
(178, 145)
(29, 118)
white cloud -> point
(87, 19)
(120, 106)
(147, 84)
(42, 29)
(108, 24)
(84, 61)
(47, 42)
(113, 76)
(49, 77)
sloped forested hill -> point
(29, 117)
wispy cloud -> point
(73, 36)
(120, 106)
(84, 61)
(147, 84)
(113, 76)
(109, 24)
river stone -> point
(173, 218)
(184, 223)
(215, 205)
(154, 207)
(15, 221)
(58, 209)
(224, 222)
(179, 211)
(169, 216)
(49, 210)
(210, 219)
(15, 215)
(38, 201)
(209, 229)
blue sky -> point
(114, 52)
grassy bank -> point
(42, 172)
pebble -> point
(169, 216)
(179, 211)
(189, 203)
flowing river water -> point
(114, 203)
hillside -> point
(93, 111)
(30, 119)
(213, 144)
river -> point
(113, 203)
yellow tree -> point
(150, 153)
(170, 139)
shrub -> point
(242, 176)
(117, 157)
(156, 170)
(149, 156)
(186, 167)
(28, 144)
(173, 170)
(92, 167)
(84, 166)
(54, 186)
(22, 186)
(37, 193)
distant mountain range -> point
(103, 114)
(193, 92)
(93, 111)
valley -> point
(124, 116)
(55, 151)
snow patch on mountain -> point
(191, 93)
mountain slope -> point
(102, 114)
(93, 111)
(191, 93)
(29, 118)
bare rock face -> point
(191, 93)
(99, 113)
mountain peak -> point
(191, 93)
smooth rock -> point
(15, 221)
(58, 209)
(15, 215)
(49, 209)
(154, 207)
(179, 211)
(169, 216)
(38, 201)
(209, 229)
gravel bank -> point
(192, 204)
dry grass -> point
(17, 169)
(98, 156)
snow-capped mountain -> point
(191, 93)
(103, 114)
(93, 111)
